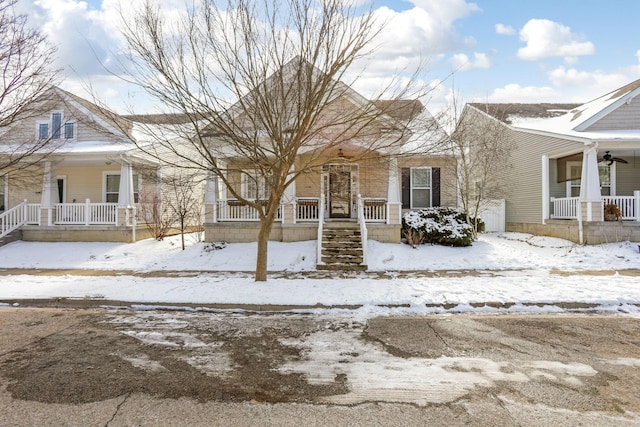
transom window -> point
(421, 187)
(112, 188)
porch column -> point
(545, 188)
(49, 194)
(289, 200)
(125, 195)
(590, 196)
(211, 199)
(394, 204)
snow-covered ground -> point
(504, 268)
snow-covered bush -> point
(443, 226)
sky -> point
(476, 51)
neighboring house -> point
(569, 162)
(85, 187)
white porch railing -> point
(33, 213)
(567, 207)
(320, 227)
(374, 209)
(86, 213)
(307, 208)
(564, 207)
(626, 204)
(13, 218)
(363, 229)
(233, 210)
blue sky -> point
(502, 50)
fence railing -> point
(86, 213)
(33, 213)
(13, 219)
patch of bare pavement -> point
(89, 367)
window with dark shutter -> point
(435, 190)
(406, 188)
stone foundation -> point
(81, 233)
(595, 232)
(244, 232)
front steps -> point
(341, 247)
(11, 237)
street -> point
(108, 367)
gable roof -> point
(570, 121)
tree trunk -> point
(182, 231)
(266, 224)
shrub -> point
(443, 226)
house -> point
(83, 182)
(569, 161)
(356, 184)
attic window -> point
(56, 128)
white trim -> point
(104, 184)
(612, 177)
(545, 188)
(430, 187)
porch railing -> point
(86, 213)
(567, 207)
(13, 219)
(234, 210)
(363, 229)
(564, 207)
(626, 204)
(374, 209)
(33, 213)
(307, 208)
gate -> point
(492, 213)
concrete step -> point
(342, 267)
(342, 260)
(342, 251)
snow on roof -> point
(570, 120)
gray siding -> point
(556, 189)
(628, 176)
(624, 117)
(524, 203)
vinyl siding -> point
(628, 176)
(624, 117)
(524, 203)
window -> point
(255, 187)
(3, 193)
(56, 124)
(420, 187)
(69, 128)
(112, 187)
(55, 128)
(43, 130)
(605, 172)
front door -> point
(339, 193)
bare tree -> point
(483, 147)
(26, 74)
(184, 201)
(261, 82)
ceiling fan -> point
(610, 159)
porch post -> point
(211, 199)
(545, 188)
(49, 194)
(289, 200)
(394, 204)
(125, 194)
(590, 196)
(636, 204)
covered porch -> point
(582, 187)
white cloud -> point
(587, 85)
(515, 93)
(461, 62)
(505, 30)
(547, 39)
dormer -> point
(56, 127)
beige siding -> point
(448, 181)
(623, 118)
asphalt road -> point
(88, 367)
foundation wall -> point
(595, 232)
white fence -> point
(492, 213)
(626, 204)
(233, 210)
(567, 207)
(86, 213)
(564, 207)
(13, 218)
(307, 209)
(374, 209)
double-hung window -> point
(112, 187)
(420, 187)
(255, 187)
(56, 128)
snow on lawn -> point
(502, 251)
(528, 277)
